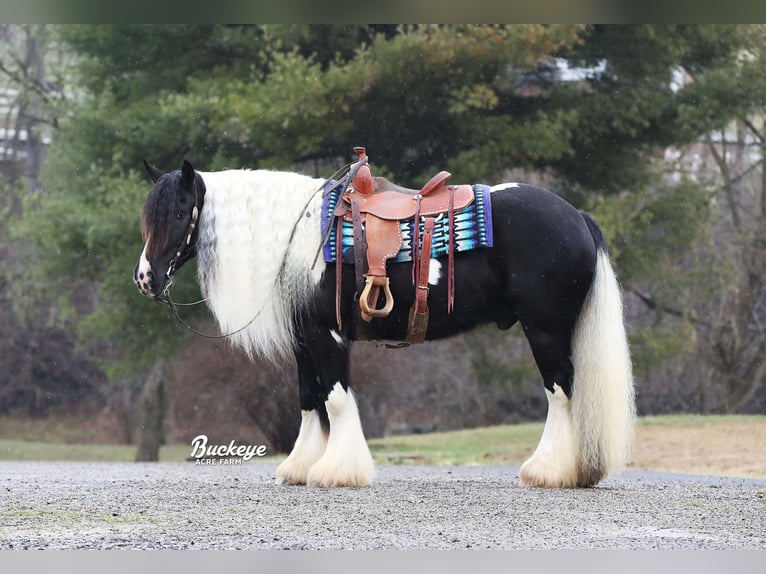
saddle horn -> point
(362, 180)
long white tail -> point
(603, 401)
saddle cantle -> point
(376, 207)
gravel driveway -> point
(185, 506)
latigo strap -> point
(417, 324)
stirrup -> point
(375, 281)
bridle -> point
(182, 247)
(165, 297)
(173, 266)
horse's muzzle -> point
(148, 283)
(143, 281)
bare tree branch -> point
(652, 304)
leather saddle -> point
(375, 207)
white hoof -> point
(554, 463)
(326, 473)
(544, 474)
(309, 448)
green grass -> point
(499, 445)
(36, 450)
(506, 444)
(56, 428)
(492, 445)
(690, 420)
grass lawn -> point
(725, 445)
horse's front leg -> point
(312, 436)
(346, 460)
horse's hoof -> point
(538, 472)
(328, 476)
(290, 472)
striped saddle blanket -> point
(472, 229)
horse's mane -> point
(246, 268)
(155, 215)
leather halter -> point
(185, 242)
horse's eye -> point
(179, 215)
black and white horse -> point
(255, 235)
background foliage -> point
(656, 129)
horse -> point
(256, 234)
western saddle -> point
(375, 207)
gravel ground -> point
(185, 506)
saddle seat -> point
(375, 206)
(393, 202)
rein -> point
(165, 297)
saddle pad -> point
(473, 228)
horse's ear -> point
(154, 172)
(187, 174)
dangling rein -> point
(345, 177)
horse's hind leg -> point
(312, 437)
(554, 462)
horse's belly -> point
(478, 299)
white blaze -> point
(144, 268)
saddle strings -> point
(167, 299)
(349, 172)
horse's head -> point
(168, 226)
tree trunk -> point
(153, 408)
(29, 114)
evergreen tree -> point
(590, 105)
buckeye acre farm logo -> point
(223, 454)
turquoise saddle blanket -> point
(472, 229)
